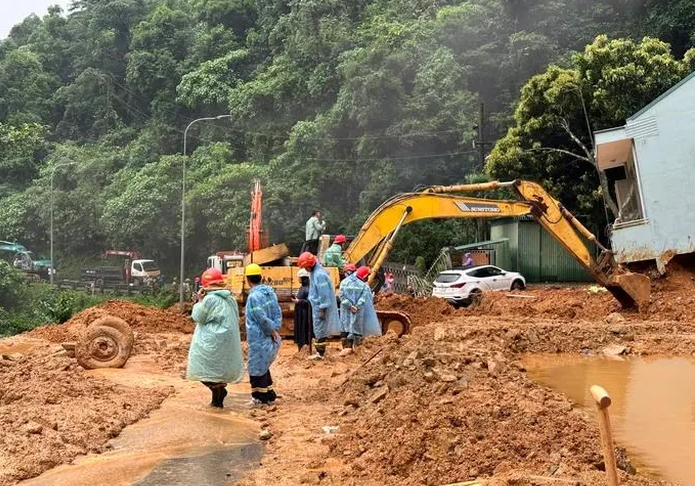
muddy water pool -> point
(653, 409)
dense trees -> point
(334, 105)
(551, 140)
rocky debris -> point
(265, 434)
(614, 318)
(614, 350)
(467, 410)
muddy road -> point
(451, 402)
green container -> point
(535, 253)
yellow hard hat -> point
(252, 269)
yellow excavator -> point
(378, 234)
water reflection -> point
(653, 411)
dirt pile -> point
(422, 310)
(51, 411)
(441, 406)
(672, 299)
(141, 318)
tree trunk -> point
(612, 206)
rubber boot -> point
(218, 395)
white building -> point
(650, 165)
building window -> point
(617, 161)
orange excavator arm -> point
(254, 231)
(378, 233)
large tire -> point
(118, 324)
(102, 347)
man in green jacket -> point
(334, 255)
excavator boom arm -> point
(420, 206)
(440, 202)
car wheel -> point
(518, 285)
(474, 298)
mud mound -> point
(140, 318)
(560, 303)
(439, 408)
(51, 411)
(422, 310)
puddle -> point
(653, 409)
(183, 443)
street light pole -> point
(183, 202)
(53, 170)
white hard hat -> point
(302, 273)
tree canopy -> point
(335, 105)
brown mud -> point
(449, 403)
(51, 411)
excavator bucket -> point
(630, 289)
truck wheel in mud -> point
(102, 347)
(518, 285)
(118, 324)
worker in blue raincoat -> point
(324, 304)
(263, 321)
(347, 283)
(360, 305)
(215, 357)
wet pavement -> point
(185, 442)
(653, 409)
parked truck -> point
(20, 258)
(135, 272)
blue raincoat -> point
(215, 352)
(322, 296)
(263, 316)
(354, 292)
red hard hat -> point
(339, 239)
(363, 273)
(306, 260)
(211, 276)
(350, 267)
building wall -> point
(664, 143)
(537, 256)
(507, 228)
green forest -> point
(335, 105)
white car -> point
(461, 286)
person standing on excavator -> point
(334, 255)
(324, 305)
(314, 228)
(215, 357)
(263, 321)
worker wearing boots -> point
(302, 312)
(215, 357)
(324, 304)
(347, 283)
(263, 321)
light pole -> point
(53, 170)
(183, 200)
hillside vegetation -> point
(334, 104)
